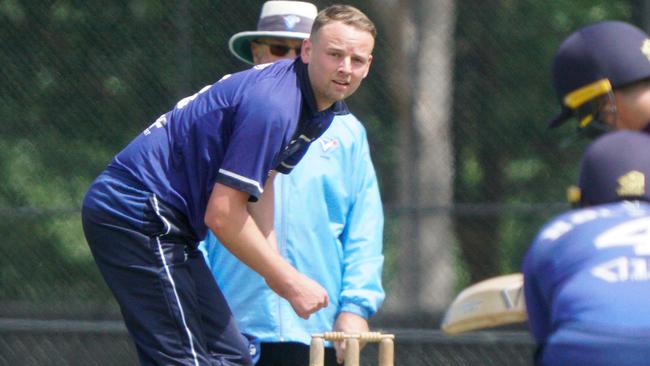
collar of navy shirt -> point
(311, 124)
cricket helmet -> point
(593, 61)
(615, 167)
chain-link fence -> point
(455, 107)
(88, 343)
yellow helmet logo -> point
(573, 195)
(645, 48)
(632, 184)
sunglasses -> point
(279, 50)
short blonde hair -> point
(346, 14)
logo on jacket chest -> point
(328, 144)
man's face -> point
(266, 50)
(339, 57)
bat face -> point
(486, 304)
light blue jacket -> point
(329, 225)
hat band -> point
(578, 97)
(285, 23)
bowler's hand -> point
(305, 295)
(348, 323)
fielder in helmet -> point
(587, 273)
(601, 74)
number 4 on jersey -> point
(634, 233)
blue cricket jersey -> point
(233, 132)
(587, 286)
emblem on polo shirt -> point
(290, 21)
(645, 48)
(631, 184)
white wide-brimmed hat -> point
(281, 19)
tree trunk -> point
(434, 162)
(421, 84)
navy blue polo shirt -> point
(233, 132)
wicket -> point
(352, 352)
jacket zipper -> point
(281, 239)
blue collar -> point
(311, 124)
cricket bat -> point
(487, 304)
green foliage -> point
(503, 100)
(81, 80)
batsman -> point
(586, 274)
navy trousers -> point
(148, 256)
(291, 354)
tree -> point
(421, 89)
(506, 159)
